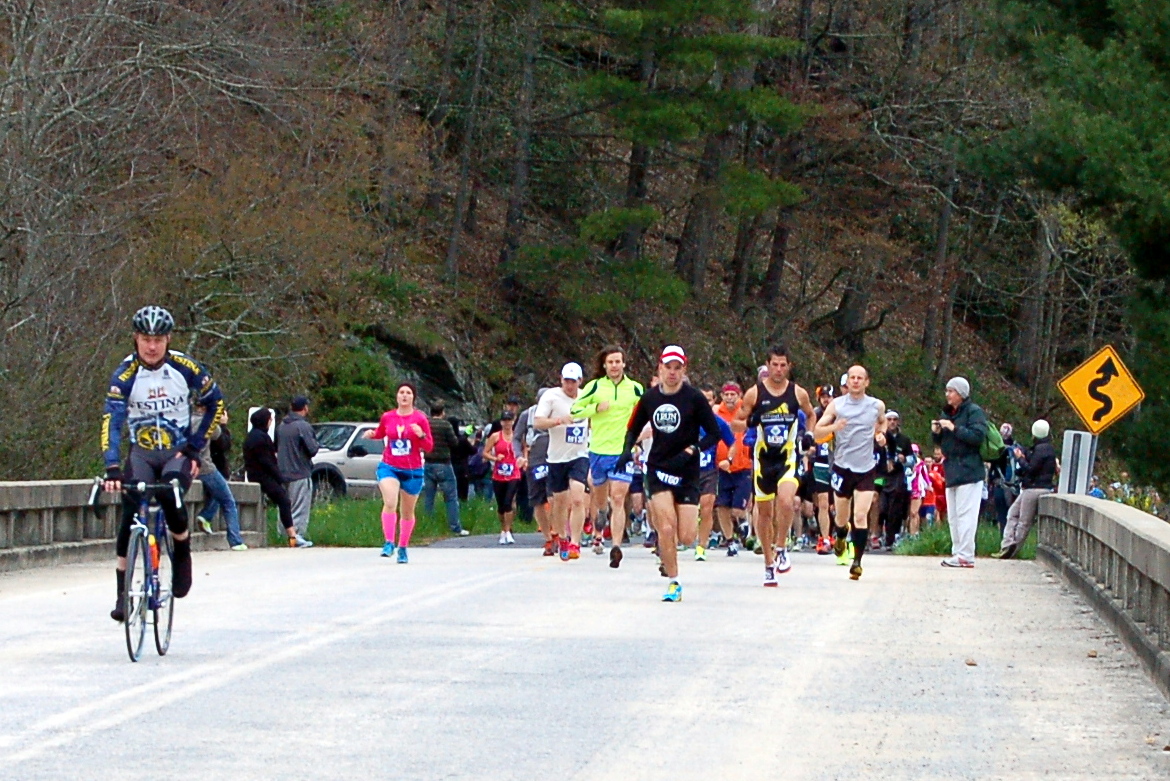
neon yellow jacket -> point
(607, 435)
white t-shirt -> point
(565, 443)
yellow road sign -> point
(1101, 390)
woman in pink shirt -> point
(400, 475)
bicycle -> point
(149, 573)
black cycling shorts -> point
(536, 481)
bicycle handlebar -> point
(141, 487)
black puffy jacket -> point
(1040, 469)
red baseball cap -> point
(672, 352)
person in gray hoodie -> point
(296, 444)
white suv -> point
(347, 462)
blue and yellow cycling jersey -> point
(155, 406)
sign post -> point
(1102, 391)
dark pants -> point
(895, 503)
(461, 483)
(440, 476)
(152, 466)
(278, 496)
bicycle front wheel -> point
(136, 597)
(164, 611)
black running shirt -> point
(675, 420)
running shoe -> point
(651, 540)
(824, 546)
(598, 546)
(240, 547)
(733, 548)
(303, 543)
(388, 550)
(700, 553)
(846, 555)
(783, 563)
(574, 551)
(181, 578)
(839, 545)
(402, 558)
(503, 539)
(615, 557)
(673, 592)
(292, 542)
(757, 548)
(205, 525)
(875, 543)
(855, 571)
(770, 577)
(510, 538)
(588, 529)
(548, 547)
(564, 553)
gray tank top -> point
(853, 447)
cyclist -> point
(607, 401)
(152, 393)
(676, 412)
(772, 408)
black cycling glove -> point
(114, 472)
(623, 461)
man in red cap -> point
(675, 411)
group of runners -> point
(673, 458)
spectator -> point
(1001, 475)
(463, 450)
(938, 482)
(959, 432)
(296, 444)
(1095, 488)
(896, 458)
(217, 494)
(1037, 471)
(437, 471)
(260, 467)
(220, 447)
(920, 492)
(479, 469)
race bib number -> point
(540, 472)
(400, 447)
(774, 436)
(706, 458)
(665, 479)
(836, 481)
(631, 467)
(506, 470)
(576, 435)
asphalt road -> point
(501, 664)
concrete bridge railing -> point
(1119, 558)
(49, 522)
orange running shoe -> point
(574, 551)
(824, 546)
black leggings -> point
(278, 496)
(505, 491)
(152, 466)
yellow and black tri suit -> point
(776, 419)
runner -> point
(400, 475)
(676, 412)
(771, 407)
(735, 472)
(507, 470)
(709, 480)
(607, 401)
(568, 461)
(855, 421)
(533, 444)
(822, 464)
(151, 393)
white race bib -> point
(506, 470)
(666, 479)
(774, 436)
(705, 459)
(400, 447)
(836, 481)
(540, 472)
(576, 435)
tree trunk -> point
(770, 290)
(948, 333)
(741, 261)
(461, 199)
(514, 221)
(702, 219)
(438, 115)
(849, 319)
(1034, 306)
(629, 246)
(912, 22)
(937, 274)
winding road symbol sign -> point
(1101, 390)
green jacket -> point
(607, 435)
(963, 464)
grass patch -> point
(936, 541)
(356, 523)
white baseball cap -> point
(572, 371)
(844, 379)
(672, 352)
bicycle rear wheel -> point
(135, 599)
(164, 613)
